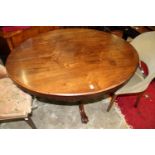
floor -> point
(54, 116)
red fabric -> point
(142, 117)
(14, 28)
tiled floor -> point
(52, 116)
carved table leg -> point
(84, 117)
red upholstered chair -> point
(14, 103)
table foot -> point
(84, 117)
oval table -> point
(72, 65)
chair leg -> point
(138, 99)
(84, 117)
(111, 102)
(30, 122)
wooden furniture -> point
(14, 103)
(17, 36)
(72, 65)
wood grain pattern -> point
(72, 64)
(15, 38)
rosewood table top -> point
(71, 64)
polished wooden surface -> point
(72, 63)
(15, 38)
